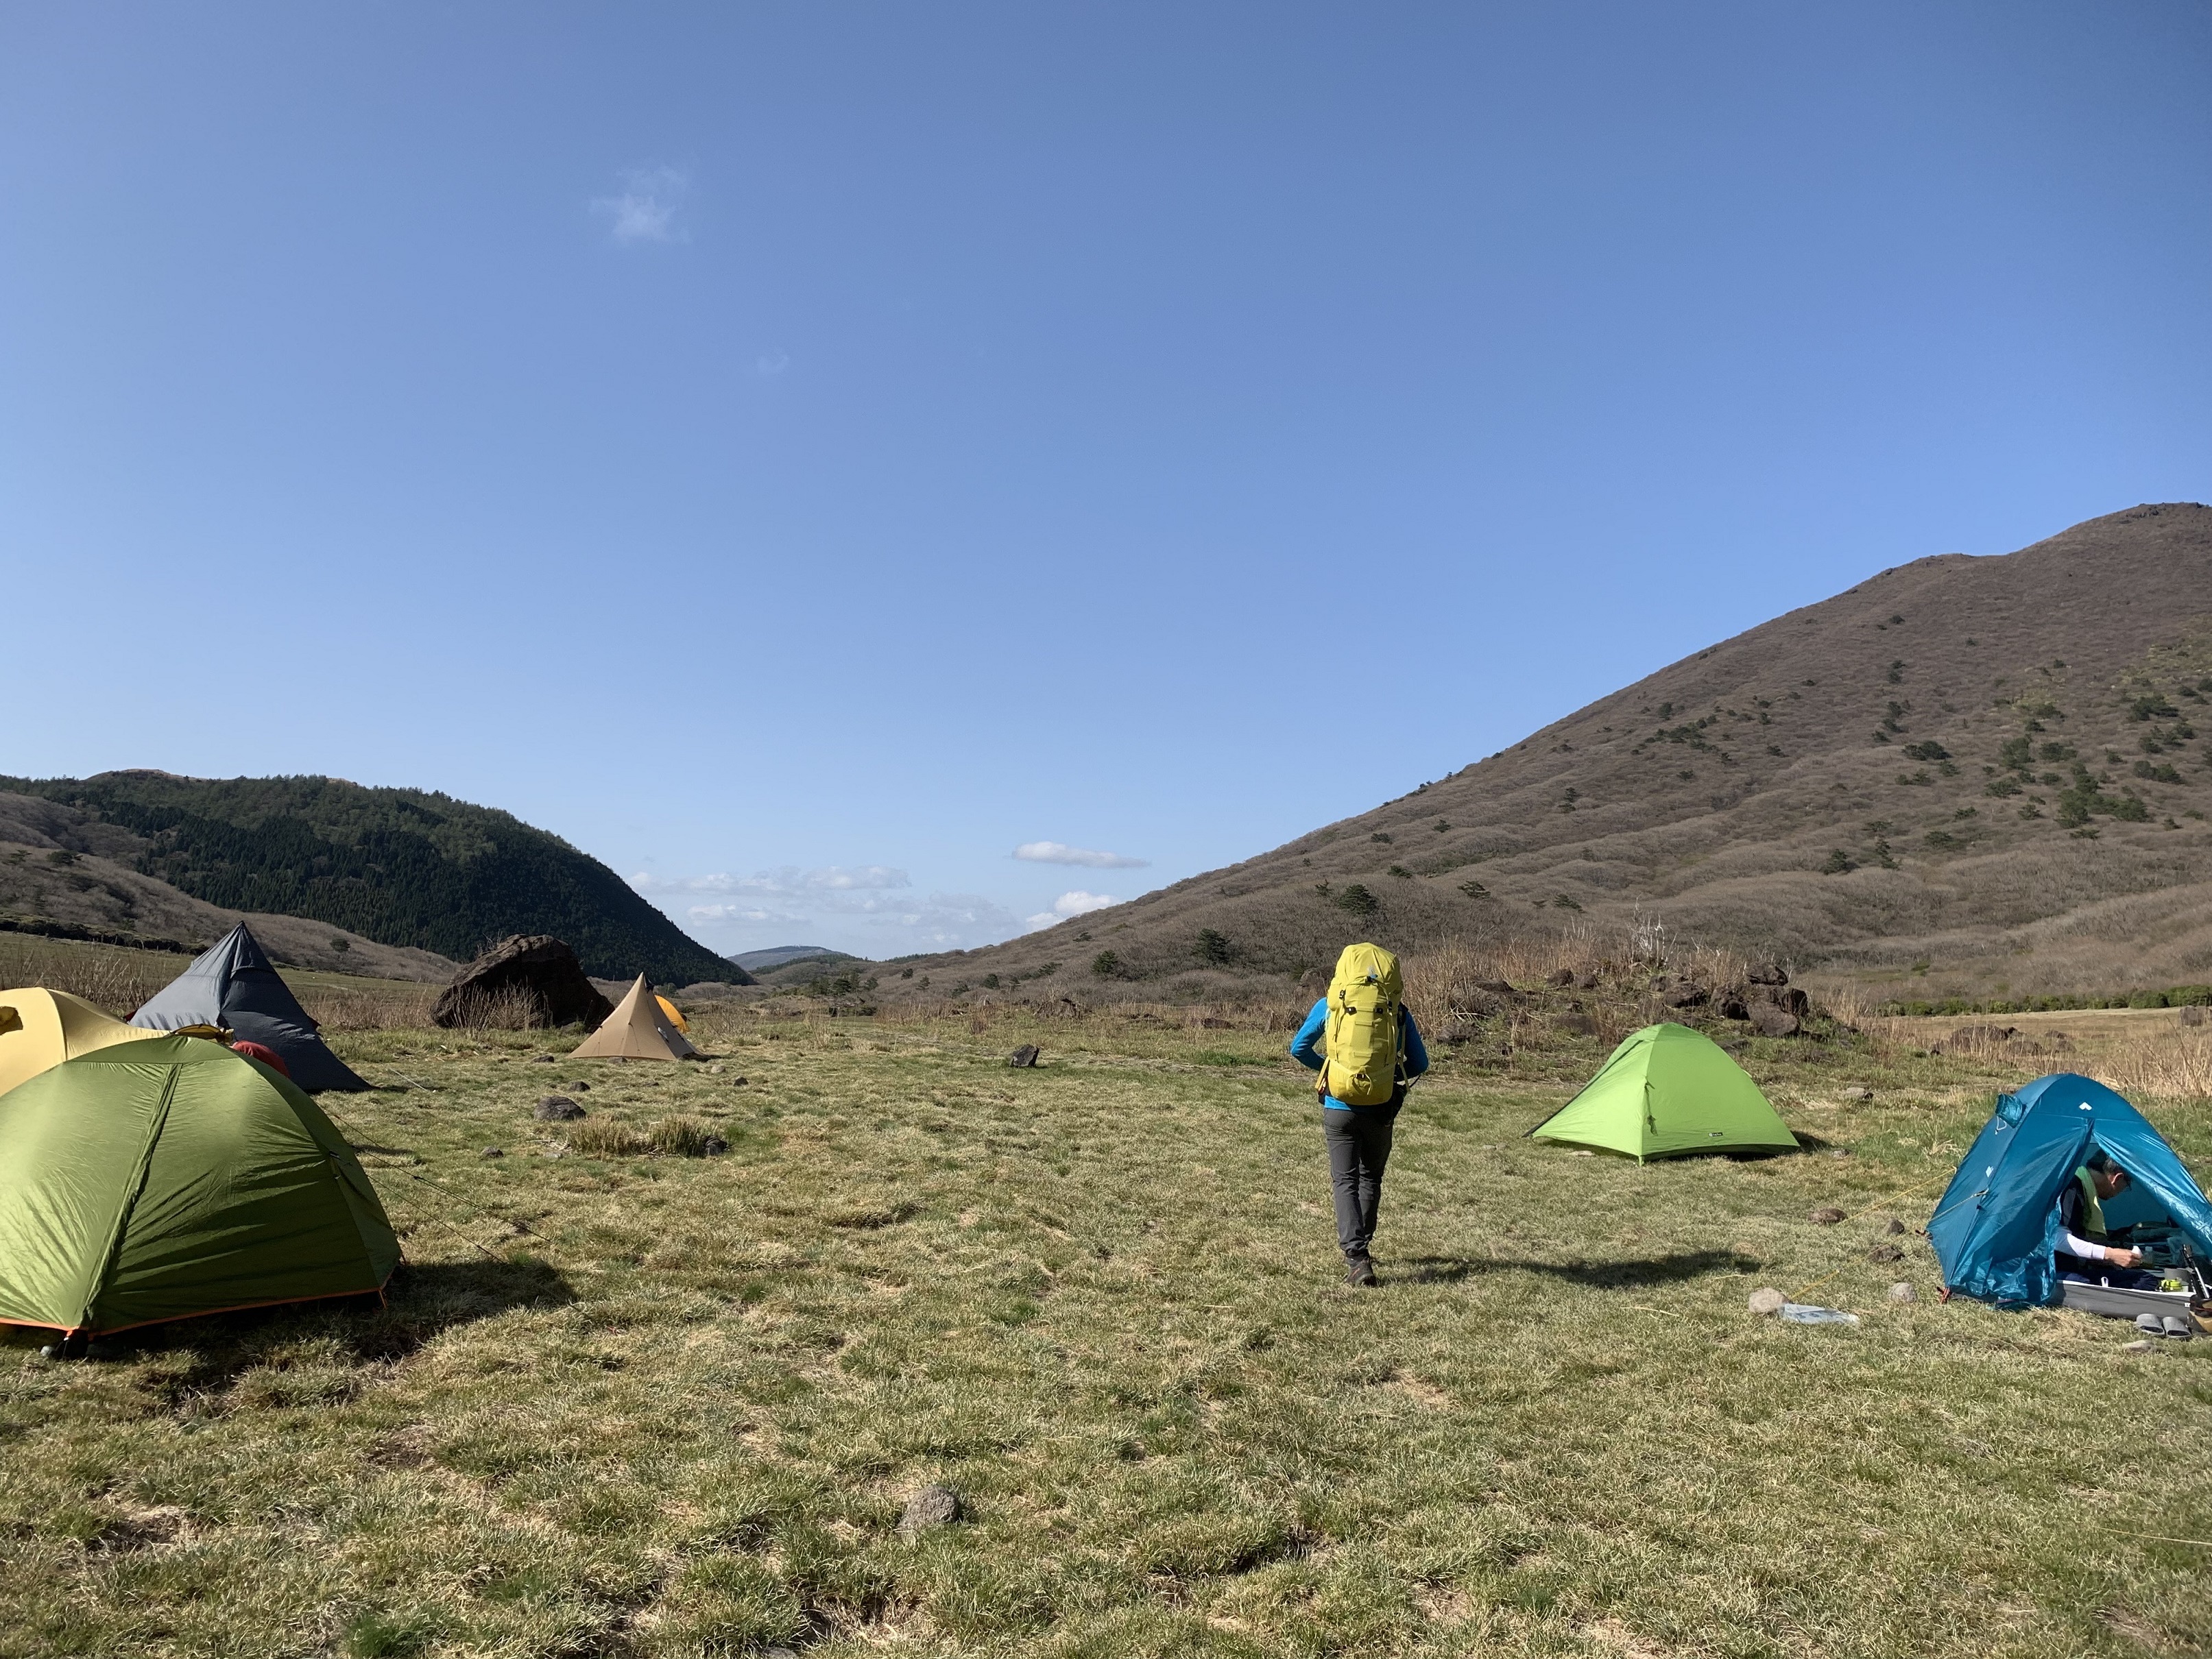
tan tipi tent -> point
(637, 1030)
(40, 1028)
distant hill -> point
(401, 867)
(760, 961)
(1965, 775)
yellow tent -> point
(675, 1014)
(40, 1028)
(637, 1030)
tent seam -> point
(114, 1248)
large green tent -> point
(1667, 1089)
(157, 1180)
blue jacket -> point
(1306, 1049)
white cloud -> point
(1077, 904)
(646, 209)
(789, 881)
(869, 908)
(1055, 851)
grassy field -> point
(658, 1404)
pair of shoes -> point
(1358, 1270)
(2172, 1325)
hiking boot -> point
(1358, 1270)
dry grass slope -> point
(1963, 776)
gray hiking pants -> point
(1359, 1147)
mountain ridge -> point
(1963, 760)
(410, 869)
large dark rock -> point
(1766, 973)
(534, 973)
(1769, 1019)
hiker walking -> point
(1364, 1043)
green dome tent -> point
(1667, 1090)
(157, 1180)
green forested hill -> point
(402, 867)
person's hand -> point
(2123, 1258)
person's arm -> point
(2074, 1244)
(1415, 1051)
(1305, 1047)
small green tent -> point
(1667, 1090)
(158, 1180)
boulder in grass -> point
(1827, 1216)
(1902, 1291)
(1769, 1020)
(927, 1509)
(530, 979)
(1892, 1226)
(1767, 1301)
(558, 1109)
(1766, 973)
(1027, 1054)
(1855, 1093)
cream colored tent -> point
(40, 1030)
(637, 1030)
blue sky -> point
(803, 454)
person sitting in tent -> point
(1372, 1050)
(2086, 1252)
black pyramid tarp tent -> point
(232, 985)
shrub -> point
(1213, 947)
(1926, 751)
(1474, 889)
(1838, 862)
(1106, 965)
(1358, 900)
(1401, 872)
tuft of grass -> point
(683, 1137)
(604, 1137)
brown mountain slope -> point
(58, 864)
(1990, 765)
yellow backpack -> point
(1362, 1067)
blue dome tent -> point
(1995, 1231)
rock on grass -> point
(929, 1509)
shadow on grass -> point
(1639, 1273)
(419, 1302)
